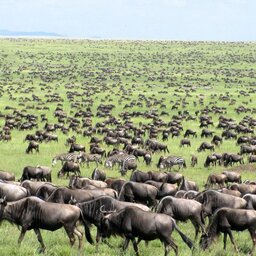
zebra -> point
(169, 161)
(128, 163)
(115, 159)
(86, 158)
(64, 157)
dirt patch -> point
(244, 167)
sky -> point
(215, 20)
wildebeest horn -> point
(106, 212)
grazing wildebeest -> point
(98, 174)
(216, 140)
(194, 160)
(92, 210)
(132, 222)
(213, 200)
(7, 176)
(229, 159)
(183, 210)
(32, 145)
(206, 133)
(190, 132)
(69, 167)
(30, 172)
(227, 219)
(232, 176)
(247, 149)
(188, 185)
(12, 192)
(185, 142)
(147, 158)
(211, 159)
(139, 193)
(34, 213)
(213, 179)
(76, 147)
(204, 146)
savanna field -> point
(167, 78)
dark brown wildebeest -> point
(99, 151)
(216, 140)
(139, 176)
(33, 145)
(34, 213)
(227, 219)
(213, 179)
(185, 142)
(174, 177)
(182, 210)
(46, 173)
(68, 167)
(132, 222)
(12, 192)
(230, 159)
(194, 160)
(233, 176)
(247, 149)
(92, 210)
(188, 185)
(206, 133)
(190, 132)
(76, 147)
(147, 158)
(251, 201)
(31, 186)
(45, 190)
(30, 172)
(204, 146)
(213, 200)
(7, 176)
(210, 160)
(139, 193)
(244, 188)
(98, 174)
(252, 159)
(115, 184)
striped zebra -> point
(129, 163)
(86, 158)
(64, 157)
(169, 161)
(115, 159)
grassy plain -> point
(117, 72)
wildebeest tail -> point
(86, 228)
(188, 241)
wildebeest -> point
(45, 190)
(7, 176)
(182, 210)
(139, 193)
(32, 145)
(98, 174)
(205, 145)
(230, 159)
(132, 222)
(91, 210)
(247, 149)
(68, 167)
(39, 174)
(31, 186)
(34, 213)
(80, 182)
(12, 192)
(185, 142)
(232, 176)
(206, 133)
(164, 189)
(213, 179)
(252, 159)
(211, 159)
(244, 188)
(213, 200)
(227, 219)
(76, 147)
(188, 185)
(190, 132)
(194, 160)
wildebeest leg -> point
(225, 240)
(253, 236)
(139, 240)
(167, 243)
(232, 239)
(135, 247)
(126, 243)
(22, 234)
(70, 234)
(40, 239)
(195, 224)
(80, 237)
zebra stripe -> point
(129, 162)
(115, 159)
(65, 157)
(170, 161)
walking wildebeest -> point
(132, 222)
(32, 145)
(34, 213)
(213, 179)
(182, 210)
(227, 219)
(68, 167)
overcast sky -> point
(225, 20)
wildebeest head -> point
(205, 241)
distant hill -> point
(4, 32)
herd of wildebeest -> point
(136, 204)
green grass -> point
(118, 72)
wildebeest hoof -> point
(41, 250)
